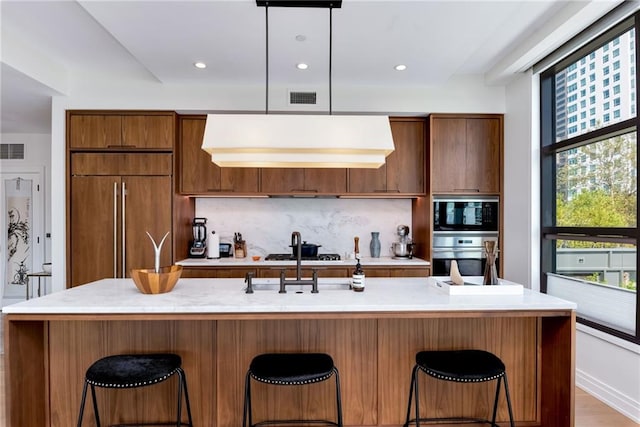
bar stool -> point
(286, 369)
(131, 371)
(465, 366)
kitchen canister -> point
(374, 246)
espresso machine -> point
(198, 248)
(403, 248)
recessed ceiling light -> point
(200, 65)
(301, 37)
(302, 66)
(400, 67)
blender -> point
(198, 247)
(403, 248)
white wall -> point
(521, 183)
(606, 367)
(37, 157)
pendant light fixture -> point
(298, 140)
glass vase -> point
(374, 246)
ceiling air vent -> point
(11, 151)
(305, 98)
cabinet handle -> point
(115, 230)
(124, 230)
(300, 190)
(220, 190)
(468, 190)
(120, 146)
(387, 191)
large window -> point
(589, 184)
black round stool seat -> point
(132, 370)
(291, 368)
(461, 365)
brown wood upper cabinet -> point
(404, 170)
(304, 180)
(466, 153)
(198, 175)
(99, 130)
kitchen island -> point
(373, 337)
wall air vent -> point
(11, 151)
(304, 98)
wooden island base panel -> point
(217, 329)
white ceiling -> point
(160, 40)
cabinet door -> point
(93, 226)
(198, 175)
(148, 131)
(95, 131)
(282, 180)
(147, 209)
(405, 166)
(448, 154)
(483, 169)
(368, 180)
(321, 180)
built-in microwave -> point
(465, 213)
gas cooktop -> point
(290, 257)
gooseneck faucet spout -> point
(296, 242)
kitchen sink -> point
(324, 284)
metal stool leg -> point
(183, 382)
(246, 415)
(506, 390)
(495, 403)
(411, 387)
(338, 397)
(95, 405)
(84, 398)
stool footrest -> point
(453, 420)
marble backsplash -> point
(266, 224)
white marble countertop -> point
(248, 262)
(227, 296)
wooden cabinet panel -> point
(368, 180)
(404, 169)
(483, 148)
(93, 228)
(448, 154)
(121, 164)
(102, 130)
(147, 209)
(466, 154)
(148, 131)
(282, 180)
(405, 166)
(95, 131)
(198, 175)
(320, 180)
(218, 273)
(108, 234)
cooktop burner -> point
(290, 257)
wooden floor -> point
(590, 412)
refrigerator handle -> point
(124, 230)
(115, 230)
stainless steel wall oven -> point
(461, 225)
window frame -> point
(549, 232)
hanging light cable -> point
(298, 140)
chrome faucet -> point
(296, 241)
